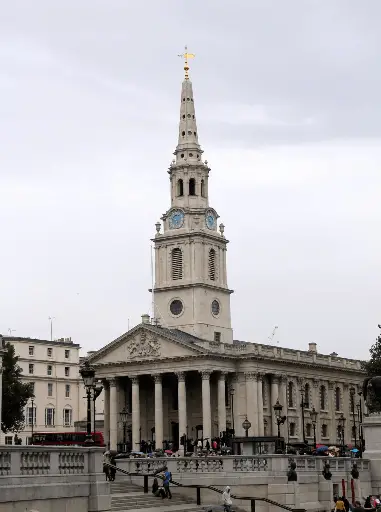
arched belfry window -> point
(192, 187)
(177, 264)
(202, 188)
(212, 264)
(180, 187)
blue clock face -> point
(176, 220)
(210, 220)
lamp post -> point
(314, 415)
(246, 425)
(303, 405)
(352, 397)
(32, 400)
(361, 435)
(123, 415)
(342, 421)
(87, 373)
(278, 415)
(232, 405)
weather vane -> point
(187, 56)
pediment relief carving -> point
(143, 345)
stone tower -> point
(191, 291)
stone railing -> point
(33, 474)
(233, 464)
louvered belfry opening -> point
(212, 264)
(177, 264)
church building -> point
(182, 372)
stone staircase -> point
(126, 496)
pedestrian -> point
(340, 506)
(357, 507)
(227, 500)
(157, 490)
(167, 479)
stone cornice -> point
(192, 285)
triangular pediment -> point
(145, 343)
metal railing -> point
(198, 488)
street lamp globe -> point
(123, 415)
(87, 373)
(246, 425)
(314, 415)
(278, 409)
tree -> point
(15, 393)
(373, 366)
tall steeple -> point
(191, 291)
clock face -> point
(176, 219)
(210, 220)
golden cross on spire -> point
(186, 56)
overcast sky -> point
(287, 95)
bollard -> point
(145, 484)
(252, 503)
(198, 496)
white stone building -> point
(175, 374)
(53, 369)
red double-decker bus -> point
(66, 439)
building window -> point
(177, 264)
(308, 430)
(67, 391)
(50, 352)
(292, 429)
(354, 432)
(180, 188)
(50, 389)
(31, 350)
(202, 188)
(30, 416)
(67, 371)
(217, 336)
(192, 187)
(265, 427)
(291, 395)
(212, 264)
(307, 396)
(352, 393)
(322, 398)
(32, 387)
(67, 417)
(49, 417)
(324, 430)
(337, 399)
(8, 440)
(50, 370)
(31, 369)
(67, 354)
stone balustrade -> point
(233, 464)
(35, 477)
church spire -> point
(188, 149)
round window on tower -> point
(215, 308)
(176, 307)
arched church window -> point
(192, 187)
(180, 187)
(212, 264)
(202, 188)
(177, 264)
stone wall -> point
(52, 479)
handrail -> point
(198, 486)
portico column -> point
(106, 413)
(158, 411)
(135, 413)
(252, 402)
(113, 415)
(260, 404)
(331, 405)
(274, 398)
(221, 403)
(182, 403)
(206, 412)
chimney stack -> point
(312, 347)
(146, 319)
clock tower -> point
(191, 291)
